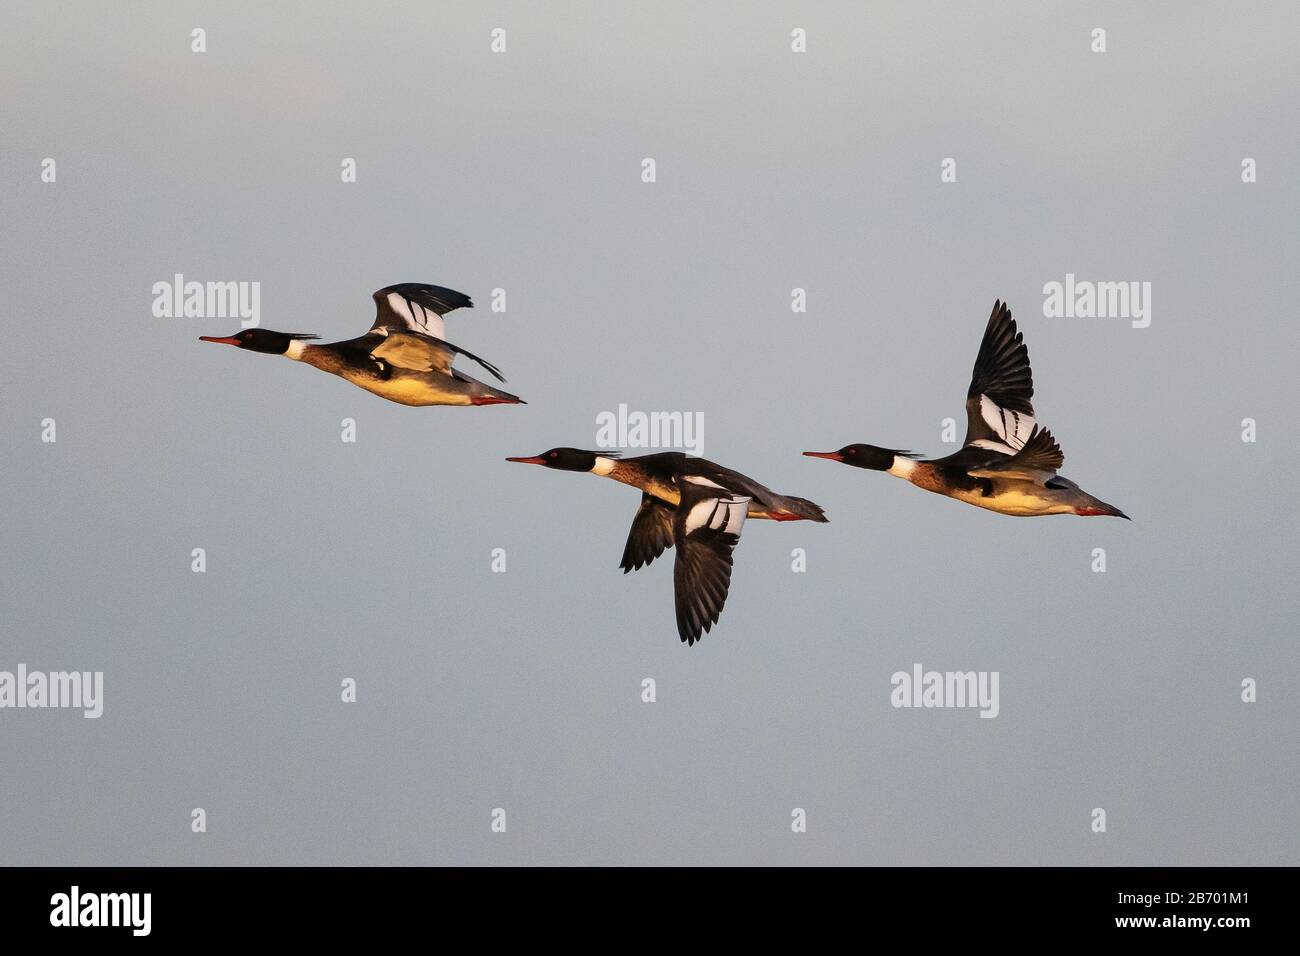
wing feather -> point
(706, 528)
(1038, 460)
(651, 534)
(417, 307)
(999, 410)
(423, 353)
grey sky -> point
(522, 690)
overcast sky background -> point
(522, 690)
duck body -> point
(691, 504)
(404, 358)
(408, 380)
(1007, 464)
(660, 475)
(1021, 497)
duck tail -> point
(494, 396)
(805, 509)
(1096, 508)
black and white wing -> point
(999, 413)
(1039, 460)
(651, 534)
(706, 528)
(410, 331)
(416, 307)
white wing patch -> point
(700, 480)
(720, 514)
(417, 316)
(1013, 428)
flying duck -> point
(692, 504)
(405, 356)
(1007, 463)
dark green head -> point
(566, 459)
(259, 340)
(863, 456)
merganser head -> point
(864, 456)
(566, 459)
(260, 340)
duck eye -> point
(555, 454)
(853, 451)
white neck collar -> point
(902, 467)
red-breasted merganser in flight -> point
(1007, 463)
(405, 356)
(694, 504)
